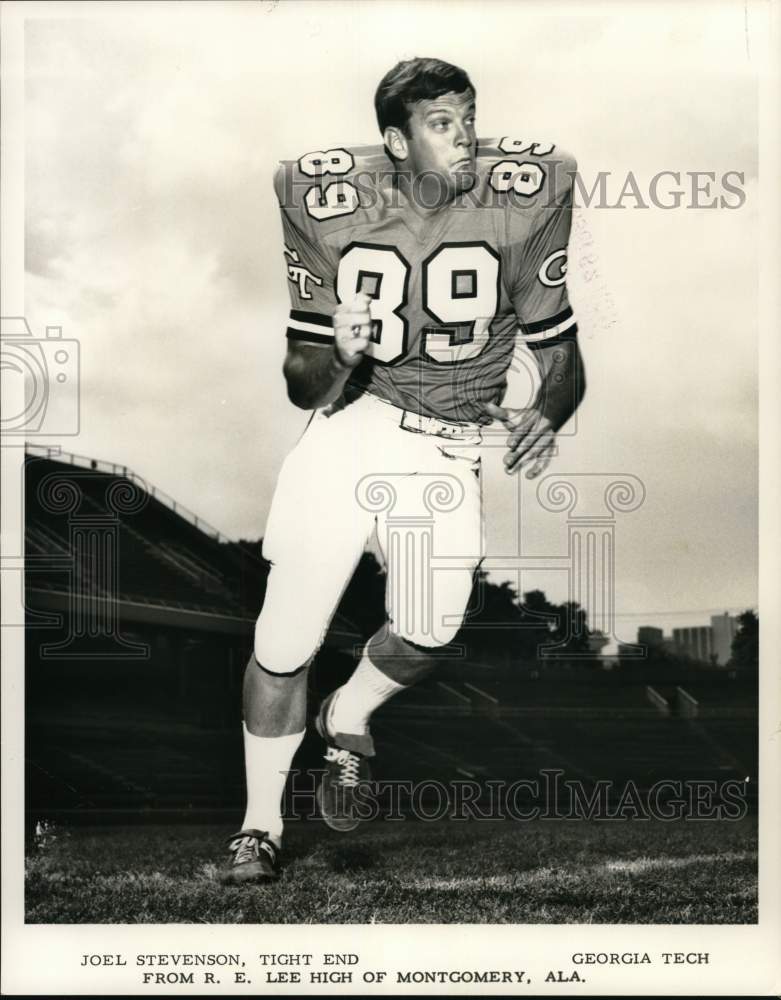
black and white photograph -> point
(390, 497)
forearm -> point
(316, 378)
(563, 383)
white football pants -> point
(354, 470)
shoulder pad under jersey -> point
(323, 189)
(527, 172)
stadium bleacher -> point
(159, 732)
(161, 556)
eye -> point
(440, 124)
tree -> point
(363, 601)
(503, 625)
(541, 622)
(573, 633)
(492, 618)
(745, 645)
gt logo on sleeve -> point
(554, 269)
(300, 275)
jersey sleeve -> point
(311, 270)
(539, 268)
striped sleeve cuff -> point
(558, 328)
(314, 328)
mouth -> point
(465, 161)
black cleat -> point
(347, 767)
(253, 858)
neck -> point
(426, 196)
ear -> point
(396, 142)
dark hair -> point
(415, 80)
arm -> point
(315, 374)
(533, 431)
(320, 352)
(563, 381)
(537, 258)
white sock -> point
(366, 690)
(267, 760)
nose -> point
(462, 136)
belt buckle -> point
(413, 422)
(418, 423)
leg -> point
(313, 550)
(388, 665)
(274, 724)
(425, 602)
(300, 601)
(274, 704)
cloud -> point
(152, 236)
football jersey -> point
(450, 292)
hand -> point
(352, 328)
(531, 441)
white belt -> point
(417, 423)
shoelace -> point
(349, 764)
(247, 849)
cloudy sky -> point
(153, 238)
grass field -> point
(407, 872)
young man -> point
(415, 270)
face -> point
(443, 142)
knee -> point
(437, 615)
(404, 661)
(283, 650)
(426, 641)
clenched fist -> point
(352, 329)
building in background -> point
(695, 641)
(724, 627)
(648, 635)
(705, 643)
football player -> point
(416, 269)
